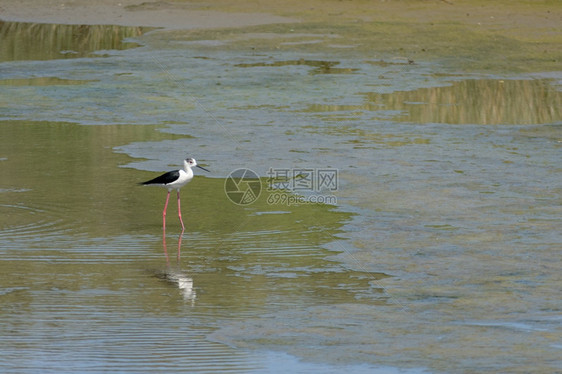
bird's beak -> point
(201, 167)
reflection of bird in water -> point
(174, 180)
(181, 281)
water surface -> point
(440, 255)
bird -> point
(174, 180)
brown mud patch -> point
(472, 35)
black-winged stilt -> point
(175, 179)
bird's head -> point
(191, 162)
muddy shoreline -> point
(170, 15)
(470, 36)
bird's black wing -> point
(165, 178)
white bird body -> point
(184, 178)
(174, 180)
(186, 175)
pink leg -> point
(179, 212)
(164, 212)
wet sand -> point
(504, 17)
(174, 15)
(499, 36)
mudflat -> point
(174, 15)
(517, 36)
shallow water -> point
(440, 252)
